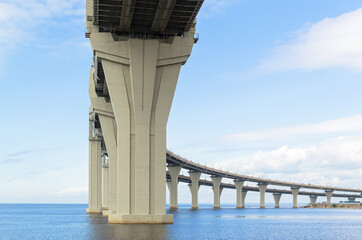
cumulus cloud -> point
(336, 161)
(342, 125)
(74, 191)
(332, 42)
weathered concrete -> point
(277, 197)
(105, 183)
(329, 194)
(295, 191)
(313, 198)
(243, 196)
(194, 188)
(174, 172)
(239, 187)
(216, 182)
(95, 172)
(262, 188)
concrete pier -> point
(329, 194)
(243, 196)
(262, 188)
(295, 191)
(174, 172)
(313, 198)
(239, 187)
(194, 188)
(95, 172)
(216, 182)
(105, 183)
(277, 197)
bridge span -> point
(176, 163)
(139, 48)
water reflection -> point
(98, 228)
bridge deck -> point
(175, 159)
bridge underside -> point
(151, 18)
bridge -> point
(139, 48)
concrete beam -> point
(216, 182)
(295, 191)
(262, 188)
(174, 172)
(194, 188)
(95, 172)
(329, 194)
(277, 197)
(313, 199)
(238, 186)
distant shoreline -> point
(335, 205)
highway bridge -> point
(139, 47)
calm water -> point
(56, 221)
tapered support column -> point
(194, 188)
(295, 191)
(109, 135)
(238, 186)
(95, 172)
(277, 197)
(105, 183)
(243, 196)
(216, 182)
(174, 172)
(329, 194)
(313, 199)
(262, 188)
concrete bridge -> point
(139, 48)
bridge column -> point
(95, 172)
(262, 188)
(174, 172)
(109, 135)
(238, 186)
(313, 199)
(140, 76)
(194, 188)
(243, 196)
(216, 182)
(295, 191)
(105, 183)
(277, 197)
(329, 194)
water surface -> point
(69, 221)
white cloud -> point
(332, 42)
(342, 125)
(336, 161)
(74, 191)
(19, 19)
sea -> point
(69, 221)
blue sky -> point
(272, 88)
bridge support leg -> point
(262, 188)
(295, 191)
(238, 186)
(109, 135)
(329, 194)
(105, 184)
(194, 188)
(216, 182)
(243, 196)
(313, 199)
(277, 197)
(95, 173)
(174, 172)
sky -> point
(273, 89)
